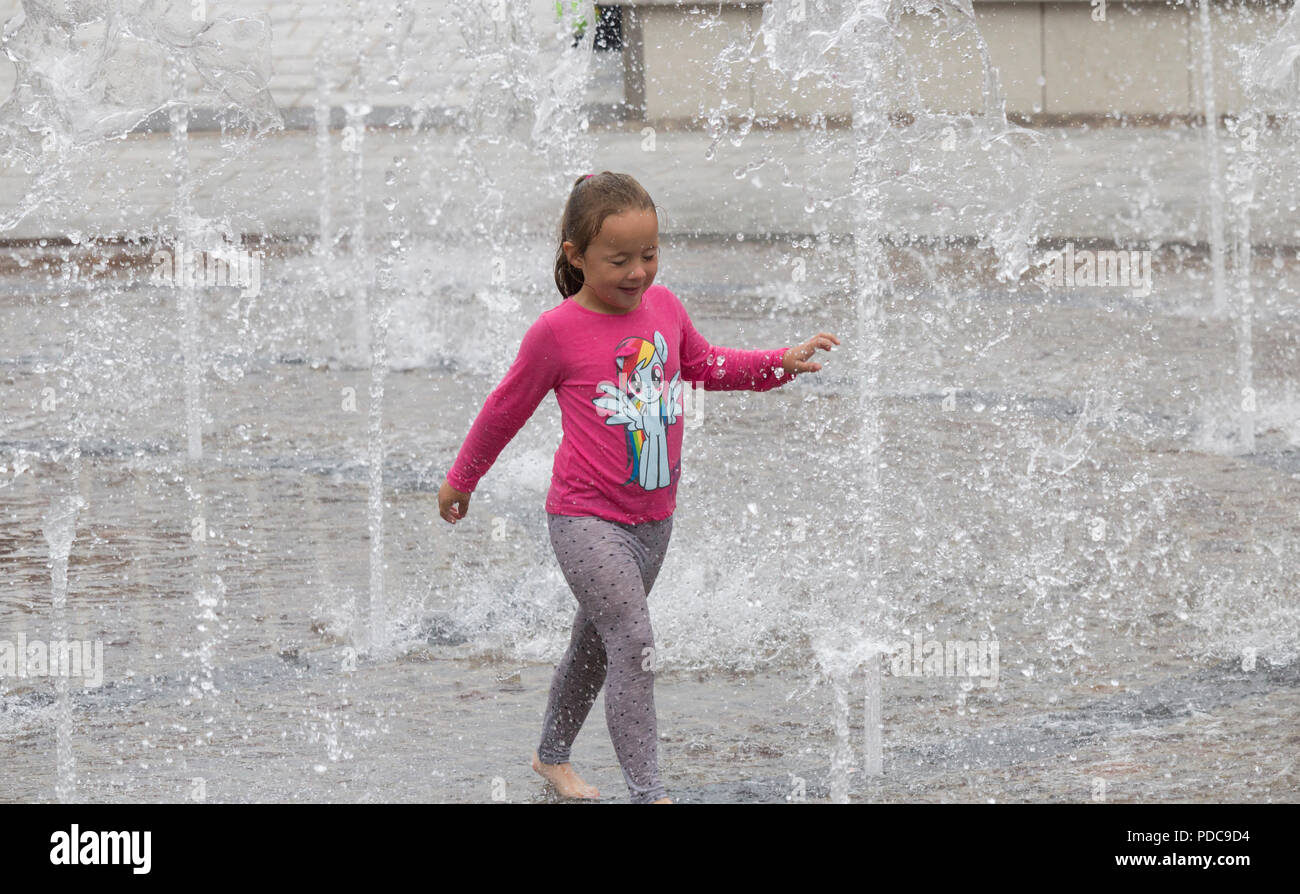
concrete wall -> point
(1055, 61)
(684, 60)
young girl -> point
(616, 352)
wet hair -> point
(591, 200)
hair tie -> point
(588, 177)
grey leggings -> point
(610, 566)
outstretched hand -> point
(453, 505)
(796, 359)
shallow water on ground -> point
(1059, 479)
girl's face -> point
(620, 263)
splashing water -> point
(1052, 467)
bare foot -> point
(568, 783)
(662, 801)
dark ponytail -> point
(593, 198)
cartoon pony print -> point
(643, 404)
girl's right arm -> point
(536, 370)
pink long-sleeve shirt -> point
(618, 379)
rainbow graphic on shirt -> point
(644, 405)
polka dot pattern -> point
(610, 567)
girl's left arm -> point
(733, 369)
